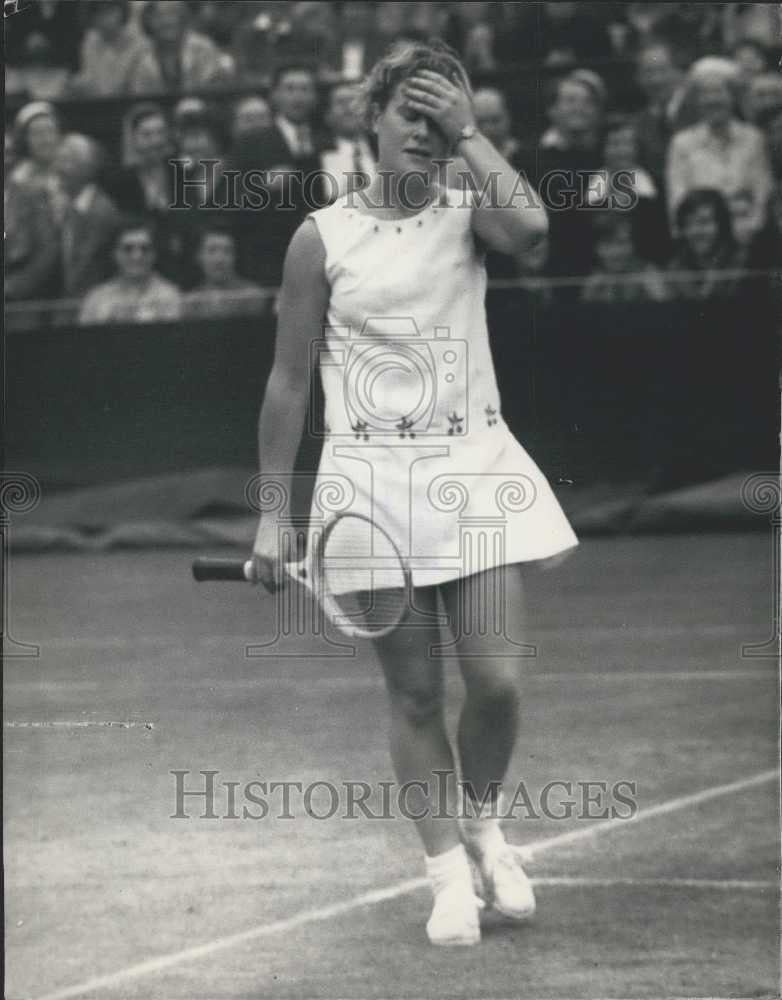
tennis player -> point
(408, 247)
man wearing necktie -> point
(294, 97)
(289, 152)
(348, 158)
(303, 140)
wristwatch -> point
(466, 132)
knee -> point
(418, 706)
(496, 692)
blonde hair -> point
(401, 61)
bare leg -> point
(488, 726)
(419, 743)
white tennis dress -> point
(414, 435)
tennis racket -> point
(356, 572)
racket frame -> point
(326, 600)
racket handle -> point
(220, 569)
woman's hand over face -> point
(447, 104)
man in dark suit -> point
(493, 120)
(289, 152)
(347, 158)
(661, 81)
(566, 154)
(91, 219)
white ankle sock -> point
(485, 834)
(449, 868)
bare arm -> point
(509, 216)
(303, 301)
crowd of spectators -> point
(670, 192)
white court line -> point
(655, 675)
(728, 884)
(110, 641)
(375, 896)
(644, 628)
(662, 809)
(372, 680)
(375, 681)
(79, 724)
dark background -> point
(665, 393)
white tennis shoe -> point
(506, 886)
(455, 917)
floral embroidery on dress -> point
(404, 426)
(491, 415)
(457, 424)
(360, 429)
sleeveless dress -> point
(414, 434)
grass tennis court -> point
(639, 676)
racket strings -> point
(363, 575)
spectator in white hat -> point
(37, 136)
(30, 254)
